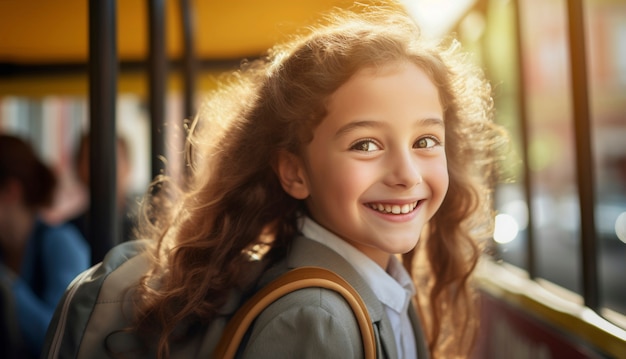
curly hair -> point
(274, 104)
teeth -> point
(394, 209)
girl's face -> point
(375, 171)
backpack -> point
(97, 303)
(92, 304)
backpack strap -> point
(299, 278)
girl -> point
(345, 147)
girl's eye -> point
(426, 142)
(365, 146)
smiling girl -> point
(344, 148)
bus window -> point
(551, 142)
(606, 30)
(538, 197)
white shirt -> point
(393, 288)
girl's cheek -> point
(441, 180)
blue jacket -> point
(54, 256)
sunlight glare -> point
(437, 17)
(506, 228)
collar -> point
(393, 288)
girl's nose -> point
(404, 170)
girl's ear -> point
(292, 175)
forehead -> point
(403, 84)
(395, 99)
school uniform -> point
(308, 323)
(318, 323)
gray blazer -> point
(318, 323)
(310, 323)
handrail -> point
(189, 63)
(584, 157)
(531, 266)
(102, 219)
(157, 69)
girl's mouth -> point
(387, 208)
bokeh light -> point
(506, 228)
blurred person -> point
(126, 217)
(37, 260)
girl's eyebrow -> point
(357, 124)
(424, 122)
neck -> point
(15, 237)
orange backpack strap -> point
(304, 277)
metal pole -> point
(531, 266)
(189, 69)
(188, 60)
(157, 64)
(102, 104)
(584, 159)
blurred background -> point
(560, 202)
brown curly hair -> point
(273, 104)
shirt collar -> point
(393, 288)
